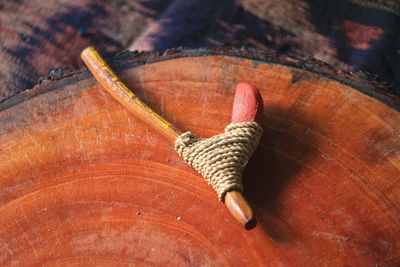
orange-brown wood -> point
(240, 209)
(84, 182)
(245, 104)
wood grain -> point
(83, 182)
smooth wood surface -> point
(84, 182)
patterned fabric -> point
(37, 36)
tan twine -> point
(222, 158)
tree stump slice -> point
(84, 182)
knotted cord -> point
(222, 158)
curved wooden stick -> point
(117, 89)
(234, 200)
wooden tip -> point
(247, 104)
(240, 209)
(86, 50)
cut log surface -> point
(84, 182)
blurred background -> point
(37, 37)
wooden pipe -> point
(247, 107)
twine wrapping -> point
(222, 158)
